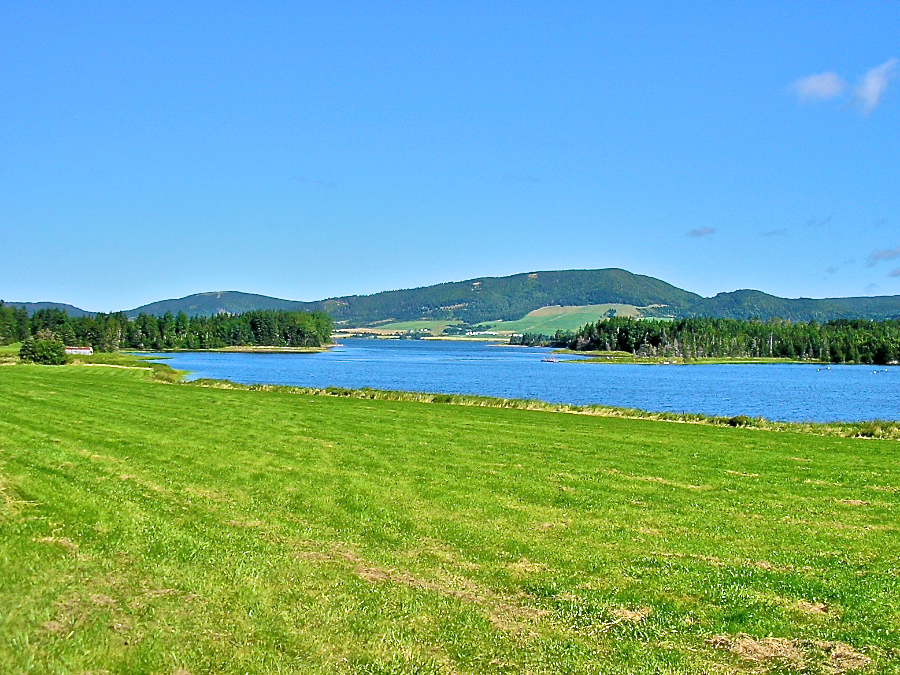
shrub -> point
(740, 421)
(46, 352)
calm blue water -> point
(776, 392)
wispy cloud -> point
(866, 95)
(871, 288)
(702, 232)
(872, 85)
(815, 222)
(821, 87)
(775, 233)
(876, 257)
(894, 273)
(832, 269)
(881, 222)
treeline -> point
(840, 341)
(111, 332)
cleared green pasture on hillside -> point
(435, 327)
(159, 528)
(548, 320)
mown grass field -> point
(164, 528)
(434, 327)
(548, 320)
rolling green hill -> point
(508, 299)
(472, 301)
(227, 302)
(32, 307)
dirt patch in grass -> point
(245, 523)
(504, 612)
(550, 526)
(853, 502)
(664, 481)
(102, 600)
(211, 495)
(623, 614)
(812, 607)
(768, 651)
(524, 567)
(712, 560)
(54, 627)
(7, 503)
(65, 542)
(883, 488)
(775, 652)
(843, 658)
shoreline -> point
(245, 349)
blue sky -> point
(308, 150)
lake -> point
(786, 392)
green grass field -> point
(161, 528)
(548, 320)
(435, 327)
(12, 349)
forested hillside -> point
(223, 302)
(840, 341)
(491, 299)
(32, 307)
(510, 298)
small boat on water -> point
(550, 359)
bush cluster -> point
(46, 352)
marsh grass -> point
(146, 527)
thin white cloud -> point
(821, 87)
(894, 273)
(872, 85)
(702, 232)
(876, 257)
(815, 222)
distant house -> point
(84, 351)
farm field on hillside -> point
(151, 527)
(548, 320)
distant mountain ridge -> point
(209, 304)
(32, 307)
(510, 298)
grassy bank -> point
(148, 527)
(882, 429)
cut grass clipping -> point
(159, 528)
